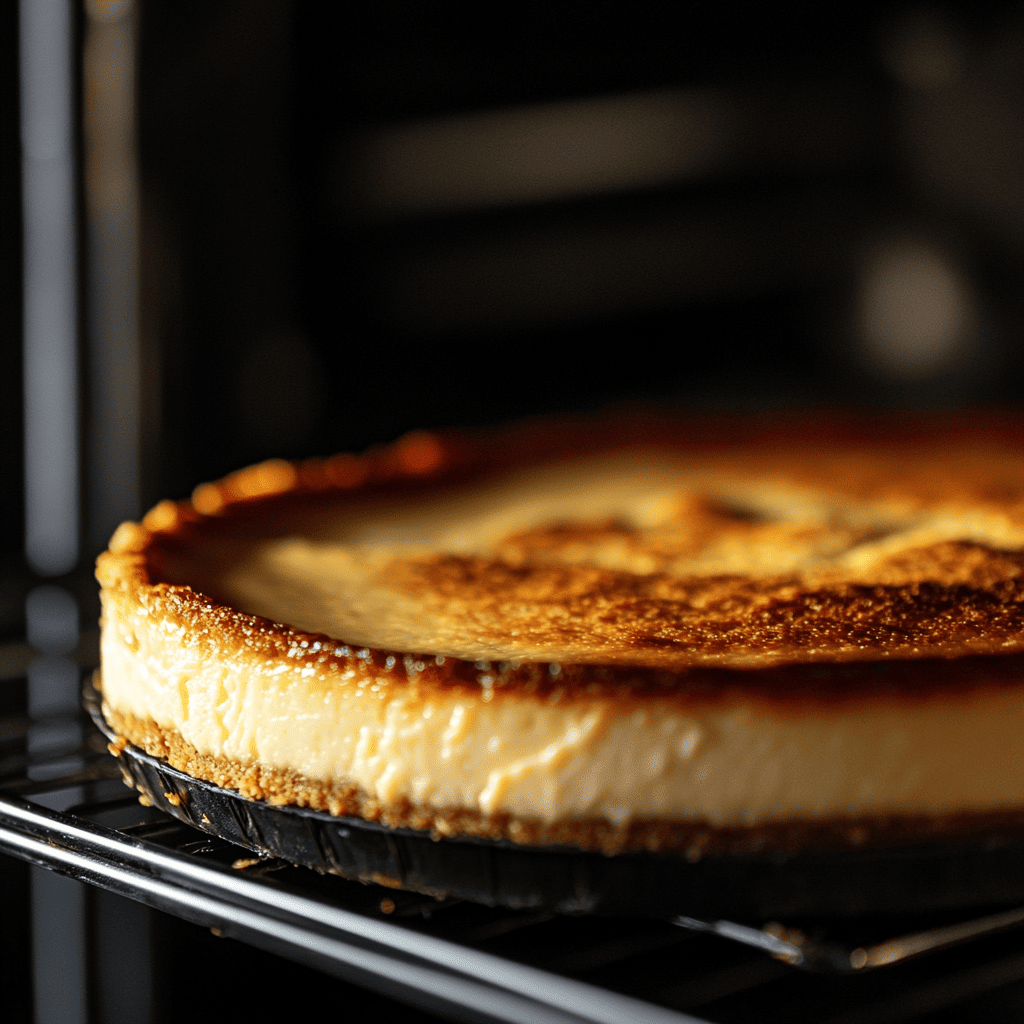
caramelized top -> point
(672, 546)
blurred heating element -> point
(917, 315)
(50, 285)
(591, 146)
(112, 202)
(923, 49)
(547, 151)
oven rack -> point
(63, 807)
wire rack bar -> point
(382, 955)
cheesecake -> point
(652, 634)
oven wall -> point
(357, 221)
(362, 221)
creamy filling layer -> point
(735, 763)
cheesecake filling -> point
(736, 761)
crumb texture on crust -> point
(757, 552)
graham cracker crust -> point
(691, 840)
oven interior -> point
(294, 229)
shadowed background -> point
(306, 228)
(262, 228)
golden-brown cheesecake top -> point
(625, 554)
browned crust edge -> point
(970, 622)
(216, 628)
(691, 840)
